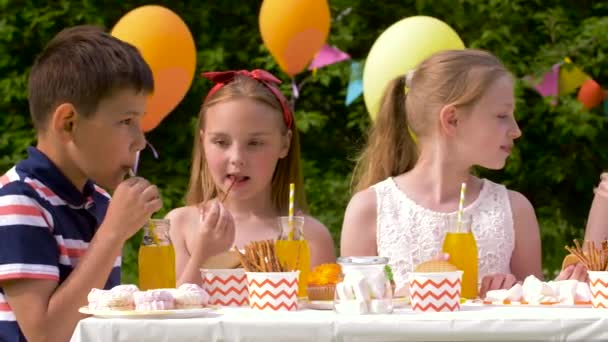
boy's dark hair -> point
(83, 65)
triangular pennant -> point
(549, 86)
(355, 83)
(591, 94)
(326, 56)
(570, 77)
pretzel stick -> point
(259, 247)
(243, 260)
(594, 257)
(579, 255)
(597, 256)
(258, 262)
(260, 256)
(577, 245)
(271, 260)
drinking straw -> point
(463, 190)
(153, 232)
(151, 225)
(290, 217)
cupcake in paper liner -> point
(322, 282)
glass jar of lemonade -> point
(459, 243)
(293, 251)
(156, 256)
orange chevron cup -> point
(226, 287)
(435, 291)
(598, 283)
(273, 291)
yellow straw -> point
(463, 190)
(152, 231)
(150, 223)
(290, 218)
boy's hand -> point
(215, 233)
(132, 205)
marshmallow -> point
(515, 293)
(566, 291)
(534, 289)
(497, 295)
(190, 296)
(583, 292)
(126, 287)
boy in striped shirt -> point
(60, 235)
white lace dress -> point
(408, 233)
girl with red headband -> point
(246, 152)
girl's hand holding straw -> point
(216, 230)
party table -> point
(475, 322)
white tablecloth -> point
(472, 323)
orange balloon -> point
(590, 94)
(166, 44)
(294, 31)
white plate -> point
(162, 314)
(321, 304)
(539, 305)
(400, 302)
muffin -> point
(322, 281)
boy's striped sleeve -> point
(28, 248)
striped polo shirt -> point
(46, 225)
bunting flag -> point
(570, 77)
(591, 94)
(355, 84)
(565, 78)
(326, 56)
(549, 86)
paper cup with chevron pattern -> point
(598, 283)
(435, 291)
(273, 291)
(226, 287)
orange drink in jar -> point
(156, 257)
(460, 244)
(293, 251)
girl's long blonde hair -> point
(456, 77)
(202, 188)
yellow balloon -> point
(167, 45)
(400, 48)
(294, 31)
